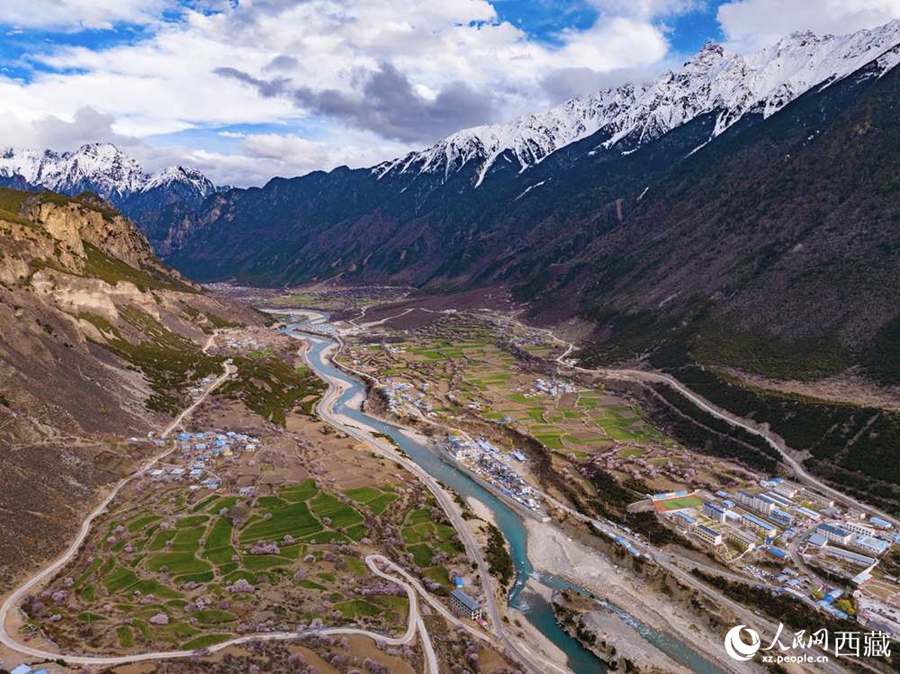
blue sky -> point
(248, 89)
(545, 19)
(542, 19)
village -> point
(248, 526)
(771, 531)
(798, 541)
(233, 532)
(493, 465)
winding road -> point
(15, 598)
(378, 563)
(324, 409)
(374, 561)
(772, 439)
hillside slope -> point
(739, 226)
(100, 342)
(785, 229)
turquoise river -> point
(534, 607)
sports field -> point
(678, 503)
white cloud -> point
(75, 15)
(440, 55)
(753, 24)
(264, 156)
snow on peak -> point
(712, 80)
(180, 175)
(99, 167)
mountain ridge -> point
(102, 168)
(712, 78)
(571, 233)
(100, 342)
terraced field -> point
(429, 543)
(474, 372)
(376, 500)
(164, 572)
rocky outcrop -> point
(76, 222)
(88, 320)
(611, 639)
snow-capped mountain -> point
(187, 183)
(106, 170)
(713, 80)
(99, 167)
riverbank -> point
(613, 640)
(538, 611)
(552, 551)
(530, 632)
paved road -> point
(416, 625)
(324, 409)
(366, 326)
(14, 599)
(745, 614)
(372, 561)
(772, 439)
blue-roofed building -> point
(776, 552)
(809, 514)
(708, 535)
(766, 528)
(22, 669)
(817, 541)
(834, 595)
(465, 605)
(828, 608)
(880, 523)
(714, 511)
(851, 557)
(835, 534)
(684, 520)
(870, 544)
(758, 502)
(781, 517)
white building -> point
(715, 511)
(835, 534)
(759, 502)
(767, 529)
(871, 544)
(708, 535)
(858, 528)
(787, 489)
(745, 539)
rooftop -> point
(467, 601)
(831, 529)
